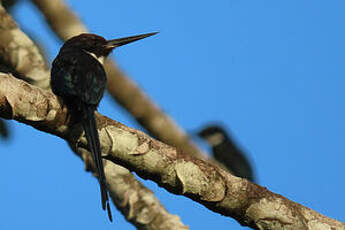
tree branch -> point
(19, 52)
(41, 109)
(211, 186)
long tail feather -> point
(90, 128)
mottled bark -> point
(218, 190)
(139, 205)
(20, 54)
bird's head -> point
(213, 134)
(99, 46)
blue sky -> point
(271, 71)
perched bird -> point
(78, 77)
(226, 152)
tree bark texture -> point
(250, 204)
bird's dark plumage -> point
(78, 77)
(226, 152)
(80, 80)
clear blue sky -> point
(272, 71)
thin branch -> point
(211, 186)
(18, 51)
(138, 203)
(66, 24)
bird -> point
(79, 79)
(226, 152)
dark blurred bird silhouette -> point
(226, 152)
(79, 78)
(4, 132)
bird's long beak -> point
(123, 41)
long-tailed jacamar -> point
(226, 152)
(78, 77)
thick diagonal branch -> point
(248, 203)
(136, 202)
